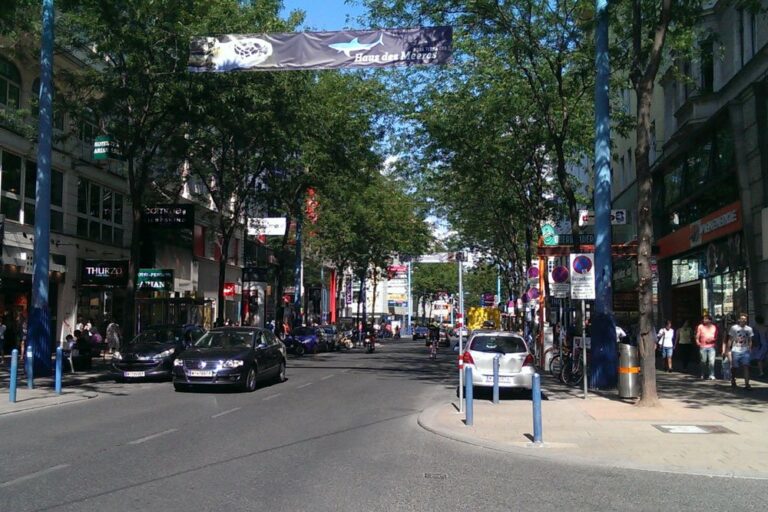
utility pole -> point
(603, 371)
(40, 318)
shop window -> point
(10, 83)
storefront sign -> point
(269, 226)
(170, 215)
(106, 273)
(722, 222)
(159, 279)
(559, 278)
(582, 270)
(229, 289)
(105, 148)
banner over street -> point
(321, 50)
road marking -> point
(304, 385)
(153, 436)
(33, 475)
(326, 377)
(226, 412)
(272, 396)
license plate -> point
(502, 379)
(133, 374)
(200, 373)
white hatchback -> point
(515, 361)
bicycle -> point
(556, 362)
(572, 373)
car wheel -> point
(250, 380)
(281, 374)
(299, 350)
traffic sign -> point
(582, 273)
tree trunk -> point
(129, 313)
(222, 277)
(647, 340)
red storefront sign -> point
(717, 224)
(229, 289)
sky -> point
(324, 14)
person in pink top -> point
(706, 338)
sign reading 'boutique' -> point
(170, 215)
(109, 273)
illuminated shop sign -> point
(170, 215)
(112, 273)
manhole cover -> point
(435, 476)
(694, 429)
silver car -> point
(515, 361)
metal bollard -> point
(14, 374)
(59, 357)
(496, 359)
(29, 367)
(536, 396)
(468, 395)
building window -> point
(99, 213)
(707, 66)
(19, 184)
(10, 83)
(740, 46)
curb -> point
(552, 451)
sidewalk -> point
(607, 431)
(75, 387)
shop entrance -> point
(686, 304)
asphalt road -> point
(340, 434)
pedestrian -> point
(666, 340)
(706, 338)
(759, 344)
(3, 328)
(685, 344)
(739, 345)
(113, 336)
(620, 334)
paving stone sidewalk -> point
(607, 431)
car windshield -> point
(303, 331)
(225, 339)
(498, 344)
(158, 336)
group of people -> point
(740, 346)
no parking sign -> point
(582, 267)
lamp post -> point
(39, 321)
(604, 368)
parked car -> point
(231, 356)
(304, 339)
(515, 364)
(421, 332)
(150, 355)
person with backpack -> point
(759, 344)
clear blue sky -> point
(324, 14)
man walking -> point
(739, 344)
(706, 337)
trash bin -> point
(629, 371)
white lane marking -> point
(33, 475)
(272, 396)
(153, 436)
(326, 377)
(226, 412)
(304, 385)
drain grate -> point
(436, 476)
(694, 429)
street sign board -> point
(587, 217)
(582, 273)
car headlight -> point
(117, 356)
(178, 362)
(164, 354)
(232, 363)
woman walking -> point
(666, 339)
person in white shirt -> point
(738, 348)
(666, 340)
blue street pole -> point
(59, 357)
(410, 302)
(604, 368)
(470, 416)
(14, 375)
(39, 323)
(297, 275)
(29, 368)
(536, 398)
(496, 378)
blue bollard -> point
(496, 378)
(536, 396)
(29, 368)
(59, 357)
(468, 395)
(14, 374)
